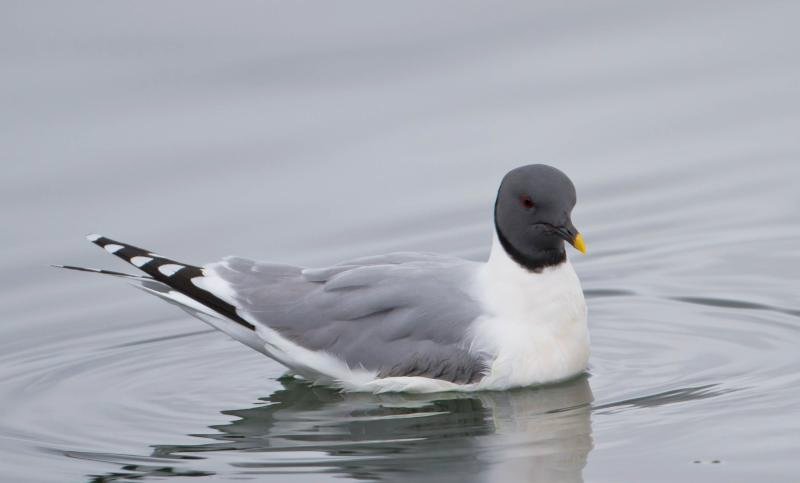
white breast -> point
(534, 329)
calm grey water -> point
(306, 132)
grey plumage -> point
(401, 314)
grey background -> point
(306, 132)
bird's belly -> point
(524, 353)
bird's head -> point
(532, 216)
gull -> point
(405, 321)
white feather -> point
(534, 324)
(140, 261)
(170, 269)
(210, 282)
(113, 248)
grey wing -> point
(402, 314)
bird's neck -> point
(517, 295)
(531, 259)
(502, 261)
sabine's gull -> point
(406, 321)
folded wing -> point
(403, 314)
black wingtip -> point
(100, 271)
(68, 267)
(180, 280)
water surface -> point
(312, 131)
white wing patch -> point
(113, 248)
(211, 282)
(170, 269)
(140, 261)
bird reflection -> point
(541, 434)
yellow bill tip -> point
(579, 244)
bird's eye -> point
(526, 201)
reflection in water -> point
(539, 435)
(663, 398)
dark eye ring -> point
(526, 201)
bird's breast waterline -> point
(534, 327)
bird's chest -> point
(534, 328)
